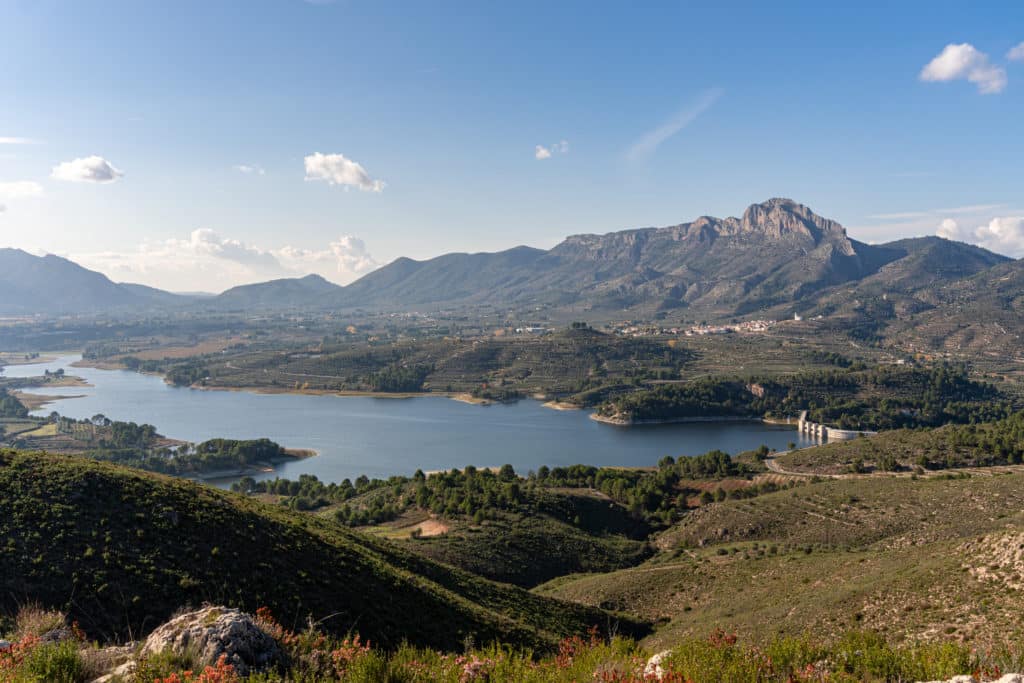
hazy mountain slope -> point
(449, 278)
(51, 284)
(311, 291)
(122, 549)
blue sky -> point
(429, 116)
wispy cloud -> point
(971, 208)
(541, 152)
(965, 62)
(17, 141)
(249, 169)
(20, 189)
(900, 215)
(649, 142)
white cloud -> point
(1002, 234)
(649, 142)
(249, 169)
(343, 260)
(208, 261)
(950, 230)
(16, 141)
(965, 62)
(92, 169)
(542, 152)
(20, 189)
(3, 208)
(885, 227)
(335, 169)
(1016, 54)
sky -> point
(195, 146)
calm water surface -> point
(381, 437)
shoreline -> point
(38, 401)
(461, 397)
(294, 454)
(621, 422)
(561, 405)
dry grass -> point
(34, 620)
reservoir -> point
(380, 437)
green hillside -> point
(916, 559)
(120, 550)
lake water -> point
(381, 437)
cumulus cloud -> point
(950, 230)
(965, 62)
(1016, 54)
(92, 169)
(335, 169)
(649, 142)
(249, 169)
(1003, 234)
(344, 259)
(20, 190)
(542, 152)
(205, 242)
(206, 260)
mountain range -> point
(778, 258)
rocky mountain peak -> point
(780, 218)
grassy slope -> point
(905, 445)
(121, 550)
(913, 558)
(529, 550)
(553, 533)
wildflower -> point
(350, 651)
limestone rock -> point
(653, 668)
(211, 632)
(119, 673)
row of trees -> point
(652, 497)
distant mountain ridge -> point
(778, 257)
(51, 284)
(778, 254)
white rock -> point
(211, 632)
(653, 667)
(120, 673)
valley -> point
(620, 453)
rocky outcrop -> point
(208, 633)
(118, 662)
